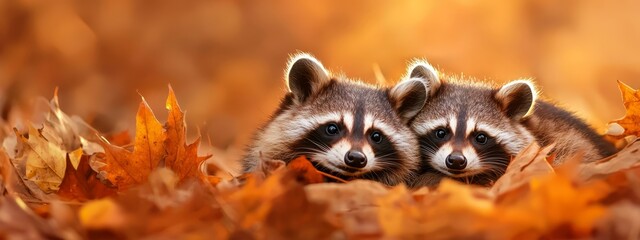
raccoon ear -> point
(305, 75)
(517, 98)
(423, 70)
(408, 98)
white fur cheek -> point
(335, 156)
(439, 159)
(473, 161)
(371, 158)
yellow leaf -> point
(45, 161)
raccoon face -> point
(348, 145)
(470, 132)
(347, 129)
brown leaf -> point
(305, 170)
(627, 158)
(82, 184)
(355, 203)
(529, 163)
(15, 186)
(281, 226)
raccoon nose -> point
(355, 159)
(456, 161)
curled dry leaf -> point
(44, 161)
(15, 186)
(529, 163)
(628, 157)
(69, 132)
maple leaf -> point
(183, 159)
(81, 182)
(630, 124)
(124, 168)
(155, 146)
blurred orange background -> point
(225, 59)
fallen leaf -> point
(45, 161)
(629, 125)
(82, 184)
(627, 158)
(355, 203)
(529, 163)
(294, 200)
(305, 170)
(124, 168)
(181, 158)
(15, 186)
(68, 132)
(155, 146)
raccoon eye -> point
(332, 129)
(481, 138)
(376, 137)
(441, 133)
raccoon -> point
(348, 129)
(469, 131)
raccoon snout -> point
(456, 161)
(355, 158)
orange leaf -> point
(181, 158)
(306, 171)
(82, 183)
(630, 124)
(124, 168)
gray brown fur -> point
(515, 124)
(307, 107)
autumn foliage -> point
(63, 179)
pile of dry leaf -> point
(62, 179)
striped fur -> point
(317, 101)
(510, 116)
